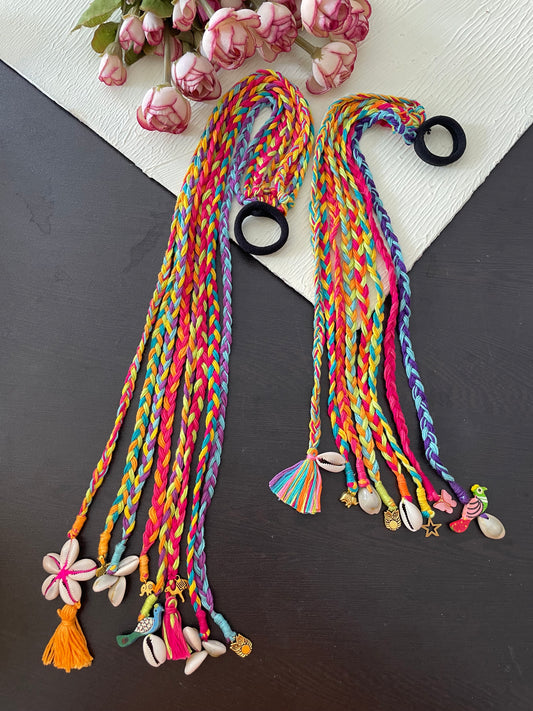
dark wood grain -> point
(343, 614)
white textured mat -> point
(470, 59)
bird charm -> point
(146, 626)
(476, 506)
(490, 526)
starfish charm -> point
(431, 529)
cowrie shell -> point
(369, 500)
(192, 638)
(411, 515)
(104, 582)
(154, 650)
(117, 591)
(331, 461)
(491, 527)
(128, 565)
(214, 648)
(194, 661)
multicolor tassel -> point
(299, 486)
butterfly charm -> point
(445, 503)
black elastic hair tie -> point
(455, 131)
(261, 209)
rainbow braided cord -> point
(403, 117)
(358, 259)
(273, 164)
(300, 485)
(326, 173)
(424, 488)
(128, 388)
(188, 333)
(195, 343)
(349, 318)
(153, 524)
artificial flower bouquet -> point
(197, 38)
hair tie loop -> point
(454, 129)
(261, 209)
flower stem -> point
(311, 49)
(167, 57)
(206, 7)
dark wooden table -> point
(342, 613)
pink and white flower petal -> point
(51, 563)
(50, 587)
(70, 590)
(83, 569)
(69, 553)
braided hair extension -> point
(188, 337)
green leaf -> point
(104, 35)
(98, 11)
(161, 8)
(130, 57)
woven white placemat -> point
(471, 60)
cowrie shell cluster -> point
(116, 584)
(211, 647)
(331, 461)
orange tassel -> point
(67, 648)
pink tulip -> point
(355, 27)
(131, 34)
(153, 27)
(196, 77)
(332, 66)
(230, 37)
(183, 14)
(164, 109)
(320, 17)
(176, 49)
(112, 71)
(278, 30)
